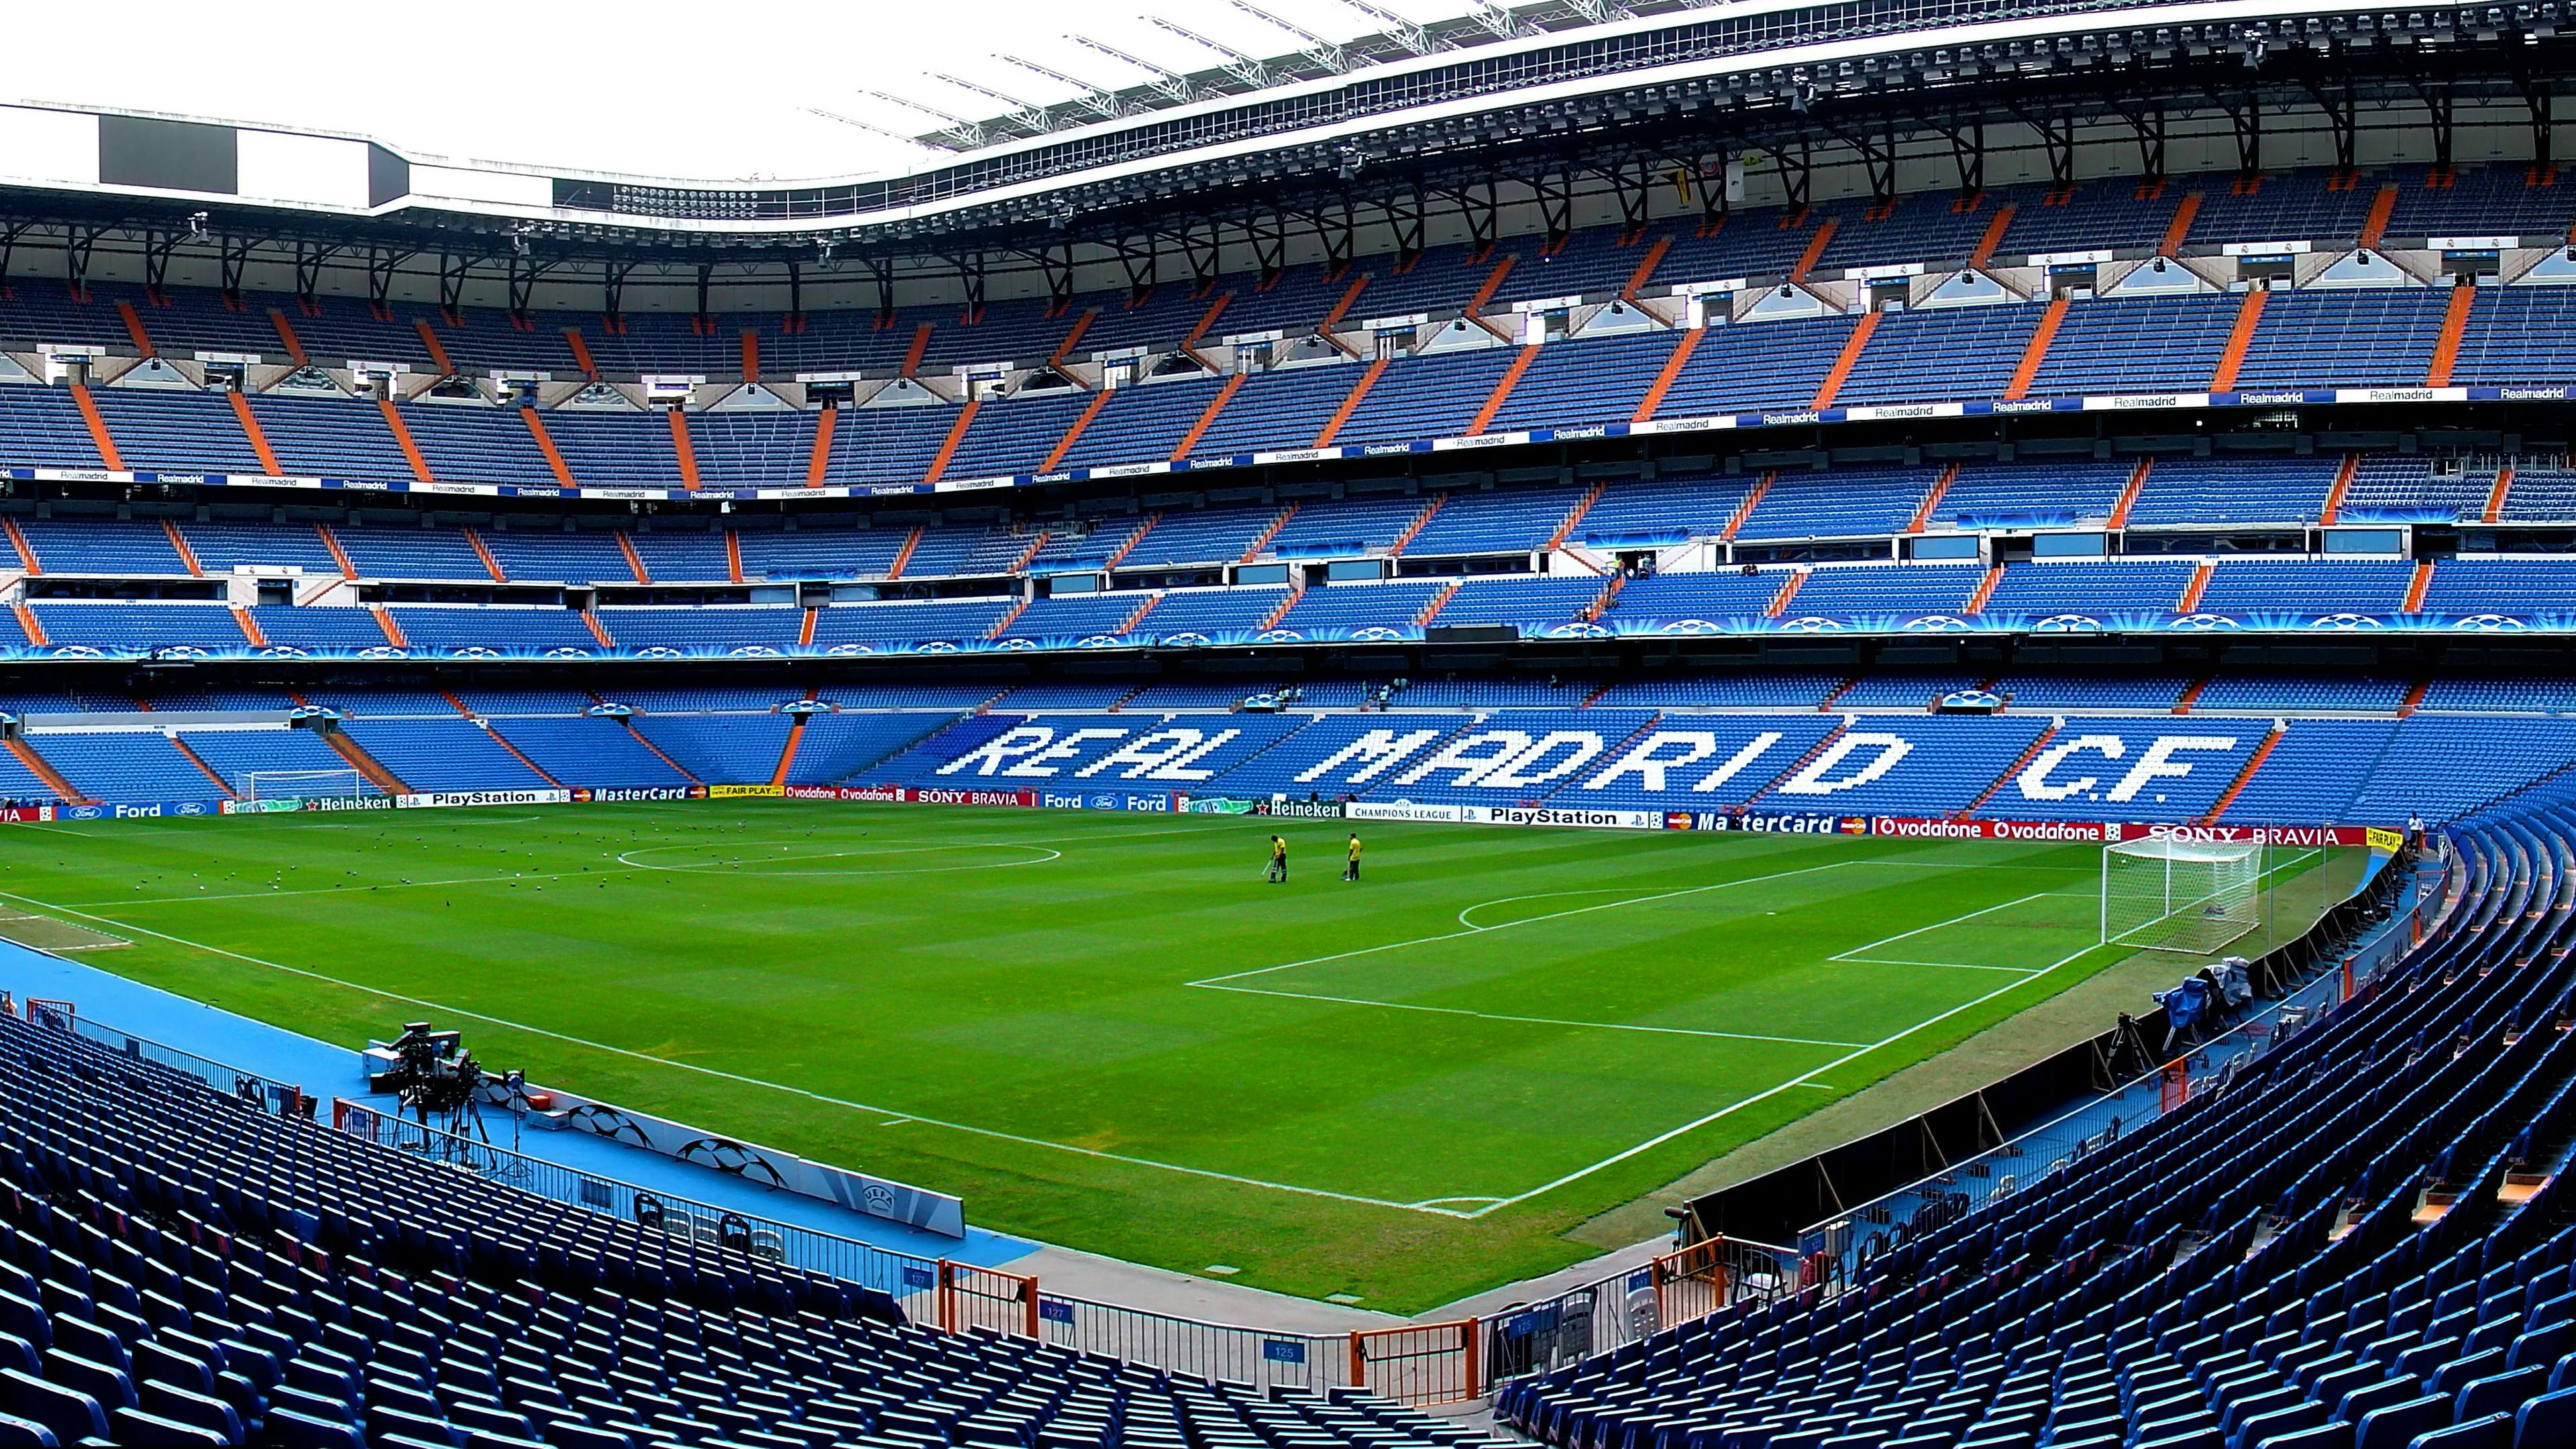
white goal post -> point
(2171, 895)
(305, 785)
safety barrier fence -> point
(1619, 1309)
(967, 1298)
(251, 1087)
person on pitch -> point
(1351, 871)
(1278, 861)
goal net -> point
(2166, 895)
(305, 785)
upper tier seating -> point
(1934, 229)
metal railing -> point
(269, 1094)
(1421, 1363)
(900, 1275)
(960, 1297)
(1196, 1346)
(1635, 1303)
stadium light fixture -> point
(1405, 32)
(1247, 70)
(1092, 98)
(1024, 114)
(968, 134)
(1501, 20)
(874, 129)
(1170, 84)
(1331, 55)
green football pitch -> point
(1109, 1031)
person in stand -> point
(1278, 861)
(1351, 870)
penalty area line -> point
(722, 1075)
(1532, 1020)
(1801, 1080)
(1214, 981)
(1855, 953)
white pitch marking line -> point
(1941, 965)
(1856, 955)
(1044, 855)
(1801, 1080)
(722, 1075)
(1539, 896)
(1935, 926)
(1523, 921)
(630, 869)
(1533, 1020)
(391, 885)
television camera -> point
(431, 1072)
(434, 1076)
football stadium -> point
(1686, 724)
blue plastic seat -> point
(2549, 1419)
(2396, 1425)
(472, 1416)
(2541, 1346)
(2359, 1403)
(2276, 1423)
(383, 1419)
(89, 1341)
(204, 1411)
(2498, 1393)
(314, 1378)
(71, 1415)
(2493, 1431)
(336, 1411)
(110, 1387)
(2335, 1434)
(288, 1429)
(2449, 1378)
(134, 1426)
(159, 1360)
(26, 1319)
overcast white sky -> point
(697, 90)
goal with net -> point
(2172, 895)
(291, 785)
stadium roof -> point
(1828, 97)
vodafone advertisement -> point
(1903, 827)
(911, 795)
